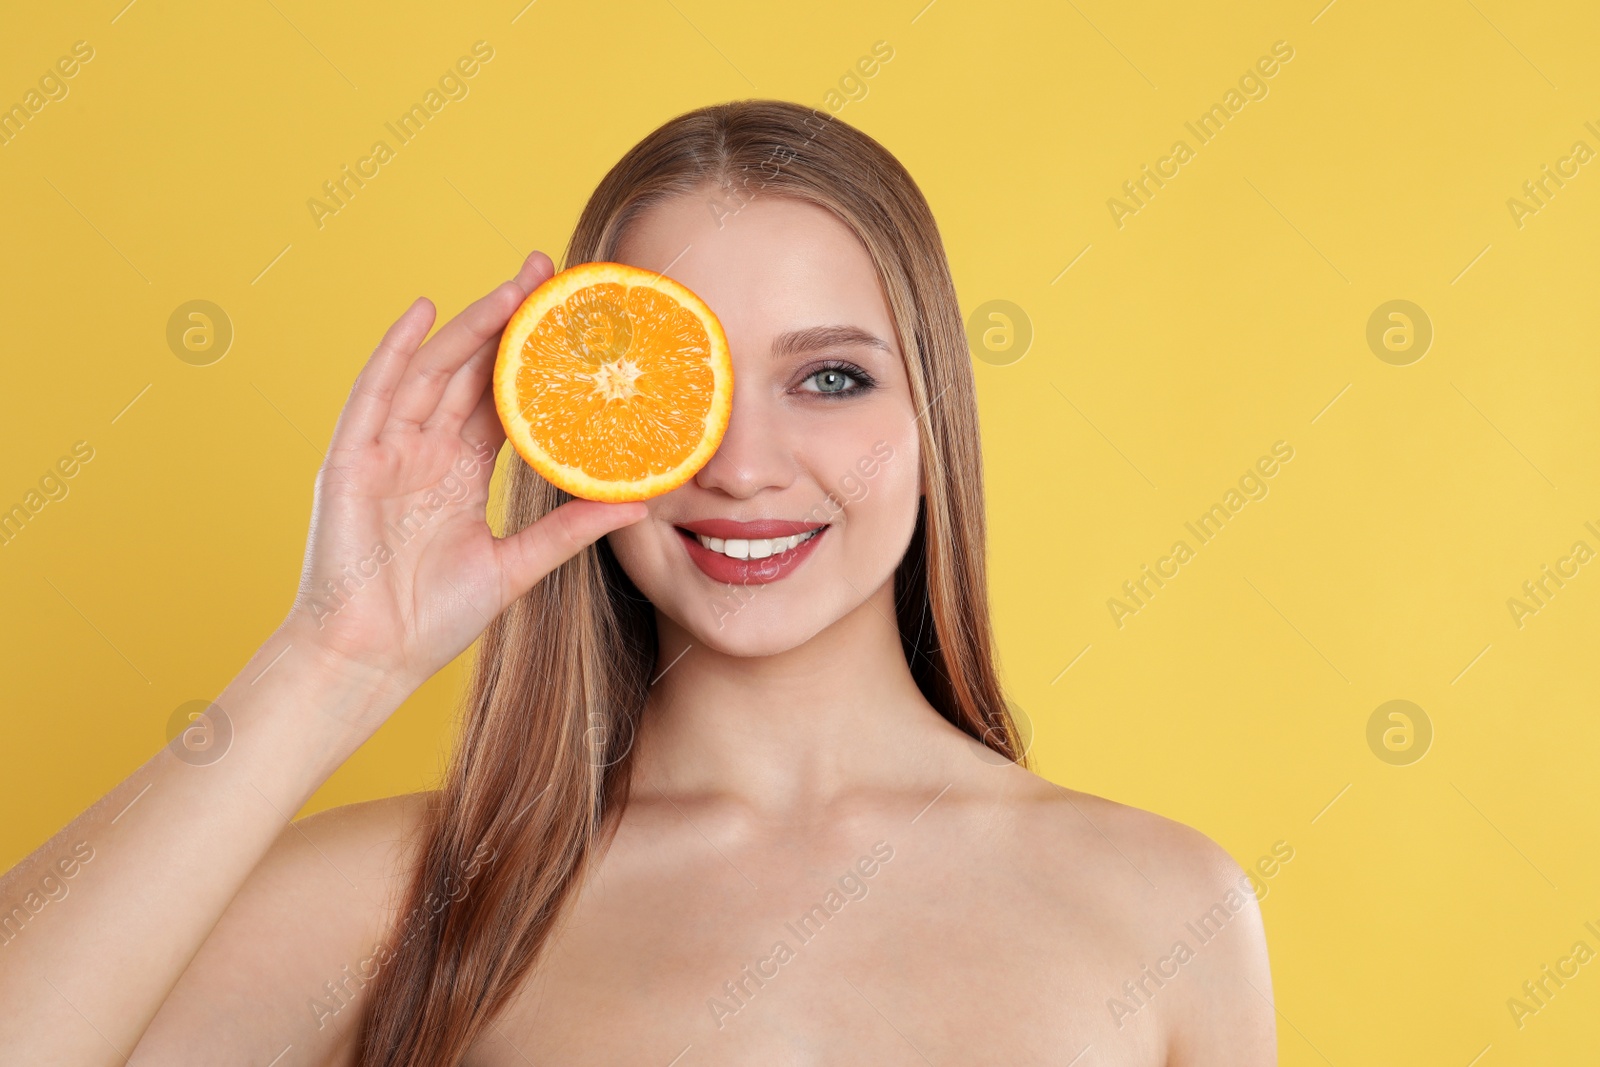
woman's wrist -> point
(339, 701)
(303, 637)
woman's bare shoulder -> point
(1174, 907)
(1151, 846)
(370, 829)
(284, 965)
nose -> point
(754, 453)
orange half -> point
(614, 382)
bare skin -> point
(934, 904)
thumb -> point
(543, 545)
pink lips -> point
(732, 571)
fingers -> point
(367, 407)
(470, 383)
(466, 388)
(542, 546)
(483, 426)
(436, 363)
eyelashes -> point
(864, 382)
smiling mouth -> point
(750, 560)
(752, 548)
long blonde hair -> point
(539, 776)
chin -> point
(738, 620)
(753, 629)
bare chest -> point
(887, 955)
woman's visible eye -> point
(836, 378)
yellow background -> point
(1228, 314)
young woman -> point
(688, 820)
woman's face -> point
(822, 438)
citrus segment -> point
(614, 382)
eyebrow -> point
(799, 342)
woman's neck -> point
(789, 733)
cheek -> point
(638, 552)
(878, 486)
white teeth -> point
(743, 548)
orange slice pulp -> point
(614, 382)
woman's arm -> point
(401, 573)
(288, 971)
(156, 861)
